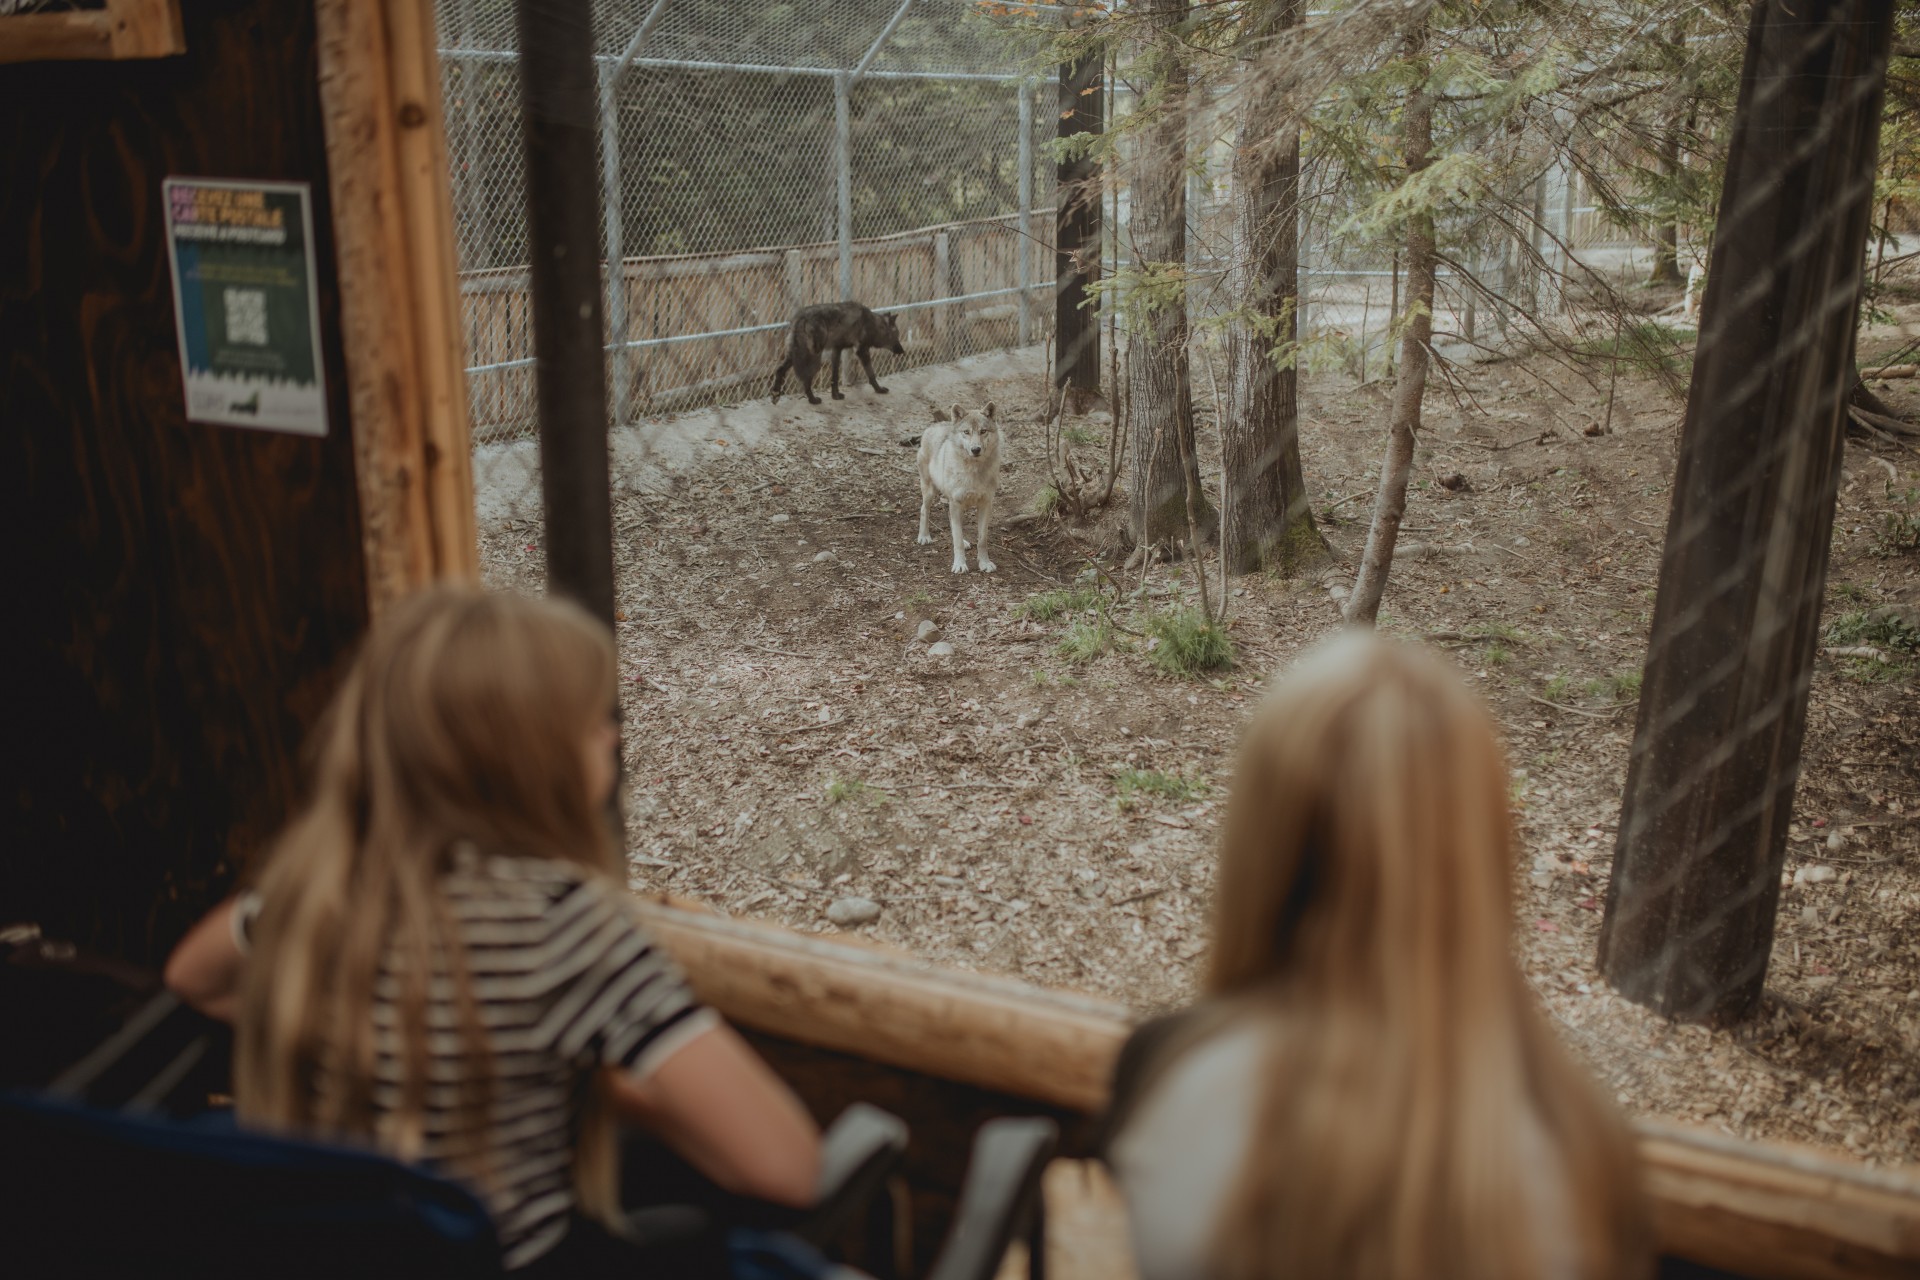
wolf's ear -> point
(957, 415)
(989, 408)
(940, 415)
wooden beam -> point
(1778, 1212)
(992, 1033)
(393, 228)
(123, 29)
(1772, 1212)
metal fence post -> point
(615, 216)
(1023, 276)
(1566, 237)
(557, 106)
(616, 240)
(843, 173)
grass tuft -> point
(839, 789)
(1086, 639)
(1131, 784)
(1888, 629)
(1049, 605)
(1188, 644)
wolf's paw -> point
(881, 390)
(924, 539)
(987, 566)
(838, 396)
(959, 566)
(813, 399)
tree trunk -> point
(1076, 361)
(1410, 385)
(1269, 524)
(1689, 920)
(1160, 388)
(1666, 233)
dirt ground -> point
(791, 744)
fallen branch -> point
(1857, 651)
(1864, 420)
(1892, 371)
(1616, 709)
(784, 653)
(1882, 421)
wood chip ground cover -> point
(791, 743)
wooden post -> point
(392, 200)
(796, 282)
(1696, 878)
(563, 234)
(1076, 348)
(943, 317)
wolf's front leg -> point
(926, 504)
(986, 511)
(836, 375)
(866, 362)
(954, 517)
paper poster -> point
(245, 303)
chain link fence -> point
(757, 158)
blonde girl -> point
(1369, 1089)
(439, 959)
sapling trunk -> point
(1409, 386)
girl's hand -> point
(204, 970)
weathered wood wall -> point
(179, 598)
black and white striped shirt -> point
(566, 982)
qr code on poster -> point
(247, 317)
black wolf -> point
(835, 326)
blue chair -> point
(91, 1193)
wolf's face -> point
(890, 334)
(974, 432)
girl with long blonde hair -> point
(439, 959)
(1369, 1089)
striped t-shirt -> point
(565, 982)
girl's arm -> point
(717, 1104)
(204, 970)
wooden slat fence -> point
(713, 326)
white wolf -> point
(960, 461)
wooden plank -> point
(393, 223)
(1767, 1211)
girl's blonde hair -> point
(461, 723)
(1365, 908)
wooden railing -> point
(946, 1048)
